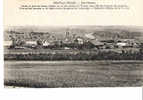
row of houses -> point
(42, 39)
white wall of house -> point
(80, 41)
(31, 42)
(121, 44)
(46, 43)
(7, 43)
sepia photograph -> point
(75, 49)
(73, 56)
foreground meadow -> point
(53, 74)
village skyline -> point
(80, 30)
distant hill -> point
(99, 32)
(122, 34)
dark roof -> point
(108, 41)
(95, 42)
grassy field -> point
(53, 74)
